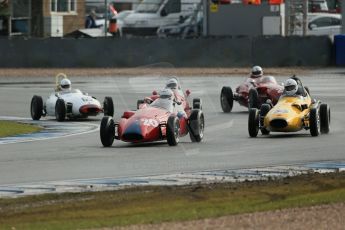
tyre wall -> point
(203, 52)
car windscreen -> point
(149, 6)
(166, 104)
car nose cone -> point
(133, 132)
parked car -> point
(320, 24)
(187, 27)
(152, 14)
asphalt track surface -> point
(226, 144)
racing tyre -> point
(253, 122)
(108, 106)
(226, 99)
(197, 103)
(314, 122)
(60, 110)
(36, 107)
(325, 118)
(196, 125)
(107, 131)
(253, 99)
(173, 131)
(139, 102)
(264, 109)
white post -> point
(205, 15)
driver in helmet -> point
(172, 83)
(65, 85)
(166, 94)
(292, 88)
(257, 72)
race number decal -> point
(150, 122)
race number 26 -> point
(150, 122)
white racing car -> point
(69, 103)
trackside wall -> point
(203, 52)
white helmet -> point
(172, 83)
(166, 94)
(257, 72)
(291, 87)
(65, 84)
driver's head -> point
(166, 94)
(171, 83)
(290, 87)
(256, 72)
(65, 84)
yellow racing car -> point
(290, 114)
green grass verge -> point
(159, 204)
(11, 128)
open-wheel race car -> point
(291, 114)
(168, 118)
(65, 102)
(181, 96)
(252, 93)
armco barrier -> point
(339, 44)
(203, 52)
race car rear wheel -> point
(139, 102)
(36, 107)
(108, 106)
(325, 118)
(173, 130)
(253, 122)
(60, 110)
(264, 109)
(196, 125)
(253, 99)
(197, 103)
(314, 122)
(226, 99)
(107, 131)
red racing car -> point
(252, 93)
(168, 117)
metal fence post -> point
(343, 16)
(106, 18)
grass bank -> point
(159, 204)
(11, 128)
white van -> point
(149, 15)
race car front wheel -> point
(108, 106)
(60, 110)
(264, 109)
(253, 99)
(253, 122)
(36, 107)
(325, 118)
(173, 130)
(314, 122)
(196, 125)
(226, 99)
(107, 131)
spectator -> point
(91, 20)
